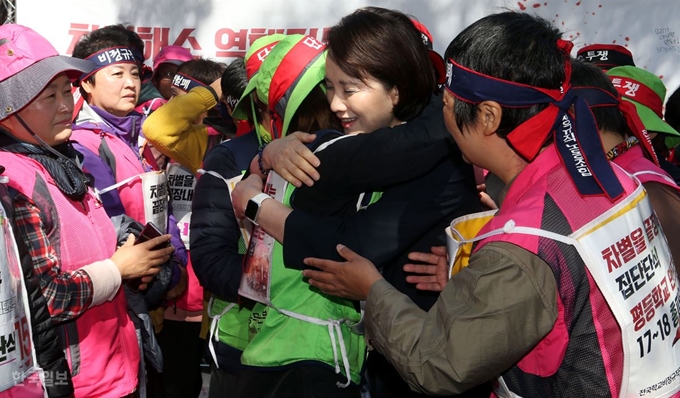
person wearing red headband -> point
(570, 279)
(605, 56)
(646, 92)
(625, 138)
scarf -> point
(62, 163)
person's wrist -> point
(261, 163)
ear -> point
(393, 94)
(489, 115)
(87, 87)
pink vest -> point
(101, 344)
(582, 355)
(634, 162)
(128, 165)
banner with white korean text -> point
(223, 30)
(18, 366)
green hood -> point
(290, 72)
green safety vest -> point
(280, 337)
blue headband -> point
(185, 83)
(577, 138)
(597, 97)
(110, 56)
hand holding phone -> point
(150, 231)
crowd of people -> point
(352, 217)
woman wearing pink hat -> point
(156, 91)
(71, 242)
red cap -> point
(437, 60)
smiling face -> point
(48, 115)
(361, 106)
(115, 89)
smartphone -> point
(149, 232)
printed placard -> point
(244, 224)
(17, 356)
(257, 264)
(628, 256)
(155, 190)
(182, 183)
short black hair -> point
(513, 46)
(106, 37)
(234, 79)
(204, 70)
(384, 44)
(102, 38)
(608, 118)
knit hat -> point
(289, 73)
(253, 59)
(437, 60)
(647, 92)
(28, 63)
(606, 56)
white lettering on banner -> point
(629, 259)
(155, 191)
(182, 184)
(631, 87)
(567, 131)
(577, 156)
(17, 357)
(181, 82)
(312, 43)
(262, 54)
(257, 264)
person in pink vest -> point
(623, 131)
(70, 239)
(107, 132)
(572, 278)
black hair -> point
(385, 45)
(313, 114)
(609, 118)
(513, 46)
(204, 70)
(234, 79)
(102, 38)
(106, 37)
(672, 113)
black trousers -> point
(182, 353)
(297, 381)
